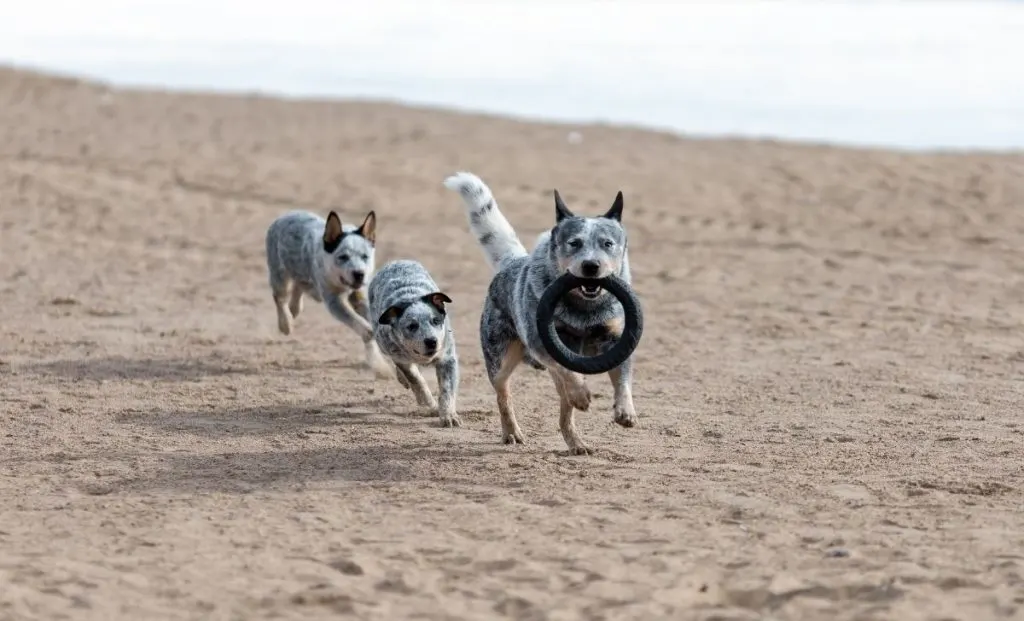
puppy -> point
(307, 255)
(412, 328)
(589, 320)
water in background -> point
(914, 74)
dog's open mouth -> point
(590, 292)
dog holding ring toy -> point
(575, 276)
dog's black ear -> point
(437, 300)
(368, 228)
(561, 211)
(615, 213)
(332, 233)
(389, 316)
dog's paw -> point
(451, 420)
(284, 324)
(380, 367)
(385, 373)
(581, 449)
(426, 401)
(579, 396)
(514, 437)
(626, 418)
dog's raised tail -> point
(496, 236)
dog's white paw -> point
(451, 420)
(376, 363)
(383, 372)
(625, 416)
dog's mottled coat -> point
(330, 262)
(588, 320)
(411, 326)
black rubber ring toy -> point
(603, 362)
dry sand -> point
(830, 384)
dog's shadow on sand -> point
(242, 472)
(302, 444)
(216, 422)
(161, 369)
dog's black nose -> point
(430, 343)
(590, 268)
(357, 278)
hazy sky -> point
(914, 73)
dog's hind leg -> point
(281, 284)
(418, 385)
(283, 294)
(566, 420)
(295, 303)
(500, 366)
(503, 352)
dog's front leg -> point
(622, 384)
(566, 420)
(576, 390)
(418, 384)
(360, 303)
(403, 379)
(342, 310)
(447, 386)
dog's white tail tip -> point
(461, 180)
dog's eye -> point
(343, 257)
(412, 327)
(575, 244)
(437, 321)
(608, 244)
(364, 257)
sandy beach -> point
(829, 384)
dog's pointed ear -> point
(368, 228)
(561, 211)
(332, 233)
(389, 316)
(615, 213)
(437, 299)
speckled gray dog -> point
(307, 255)
(412, 327)
(589, 320)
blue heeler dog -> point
(412, 327)
(332, 264)
(589, 320)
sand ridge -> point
(829, 384)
